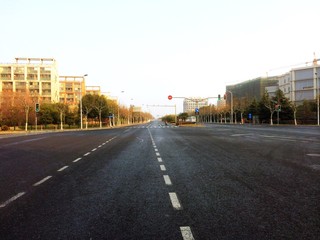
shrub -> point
(5, 128)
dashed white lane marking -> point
(11, 199)
(158, 154)
(63, 168)
(76, 160)
(42, 181)
(167, 180)
(175, 201)
(159, 159)
(186, 233)
(163, 167)
(4, 204)
(156, 149)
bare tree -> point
(269, 104)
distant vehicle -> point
(191, 119)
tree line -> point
(18, 110)
(268, 109)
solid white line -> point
(11, 199)
(63, 168)
(159, 159)
(163, 167)
(313, 154)
(241, 134)
(167, 180)
(186, 233)
(76, 160)
(42, 181)
(93, 150)
(86, 154)
(175, 201)
(158, 154)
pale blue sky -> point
(150, 49)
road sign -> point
(169, 97)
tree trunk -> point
(61, 124)
(271, 116)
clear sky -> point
(152, 48)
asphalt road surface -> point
(162, 182)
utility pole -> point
(231, 117)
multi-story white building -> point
(36, 76)
(191, 104)
(285, 84)
(72, 88)
(300, 83)
(304, 83)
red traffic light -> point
(169, 97)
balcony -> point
(18, 70)
(45, 77)
(32, 77)
(18, 76)
(4, 76)
(32, 70)
(5, 70)
(7, 86)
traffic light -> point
(37, 107)
(278, 108)
(219, 97)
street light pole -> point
(81, 124)
(231, 118)
(317, 96)
(119, 122)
